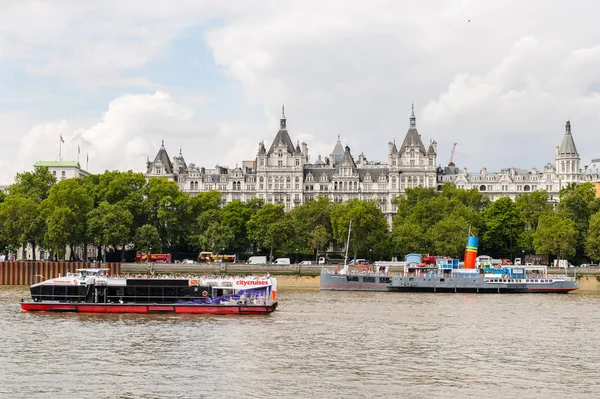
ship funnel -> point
(471, 252)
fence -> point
(29, 272)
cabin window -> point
(368, 279)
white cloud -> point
(501, 85)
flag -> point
(78, 149)
(61, 139)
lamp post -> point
(370, 255)
(523, 257)
(296, 256)
(149, 253)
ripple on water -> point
(318, 344)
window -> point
(63, 173)
(279, 163)
(297, 162)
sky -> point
(115, 78)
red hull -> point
(148, 308)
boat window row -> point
(59, 292)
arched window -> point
(412, 153)
(482, 188)
(526, 187)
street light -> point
(296, 255)
(370, 255)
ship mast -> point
(347, 246)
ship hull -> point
(148, 308)
(380, 282)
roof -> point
(282, 136)
(413, 136)
(50, 164)
(567, 146)
(163, 157)
(338, 152)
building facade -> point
(283, 173)
(512, 182)
(63, 169)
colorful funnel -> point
(471, 252)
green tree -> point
(592, 241)
(532, 205)
(578, 202)
(264, 227)
(308, 215)
(66, 210)
(169, 211)
(235, 215)
(35, 185)
(146, 238)
(555, 235)
(408, 237)
(318, 239)
(216, 237)
(369, 227)
(449, 236)
(21, 222)
(110, 224)
(504, 227)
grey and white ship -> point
(443, 277)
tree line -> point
(115, 211)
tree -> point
(318, 239)
(532, 205)
(215, 237)
(407, 237)
(504, 227)
(449, 236)
(146, 237)
(168, 210)
(66, 210)
(369, 226)
(35, 185)
(592, 242)
(110, 224)
(555, 235)
(235, 215)
(578, 202)
(305, 217)
(269, 227)
(21, 222)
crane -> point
(452, 155)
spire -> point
(413, 120)
(180, 154)
(567, 147)
(162, 144)
(282, 121)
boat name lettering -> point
(252, 282)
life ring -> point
(204, 293)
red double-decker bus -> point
(157, 258)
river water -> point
(317, 345)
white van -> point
(282, 261)
(257, 260)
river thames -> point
(317, 345)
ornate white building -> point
(283, 175)
(511, 182)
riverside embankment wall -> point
(293, 276)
